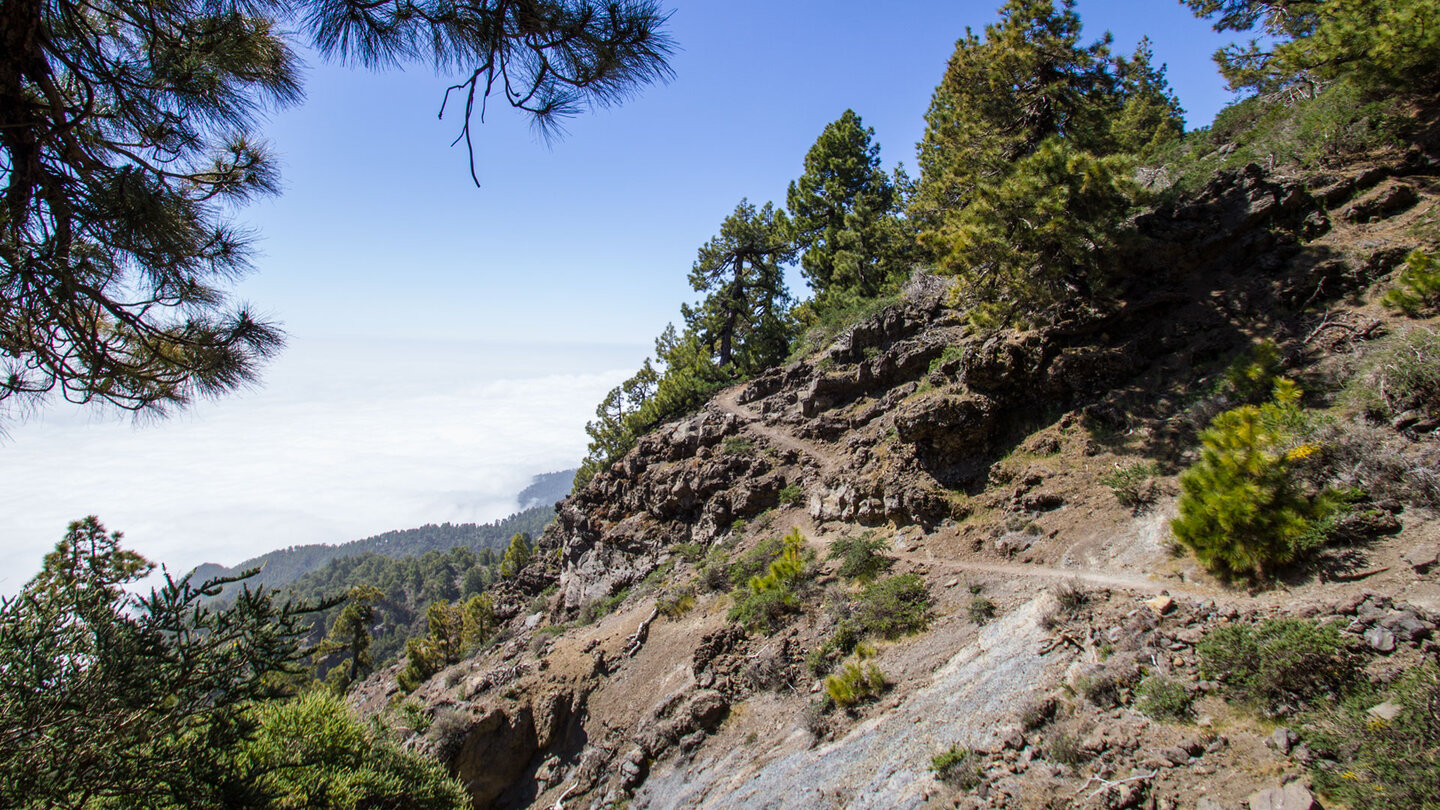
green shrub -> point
(737, 446)
(764, 600)
(791, 495)
(1417, 290)
(981, 610)
(1405, 376)
(841, 643)
(1243, 508)
(894, 606)
(1378, 763)
(957, 767)
(1164, 698)
(1252, 377)
(312, 752)
(756, 561)
(597, 609)
(675, 604)
(860, 556)
(1133, 485)
(1278, 662)
(856, 681)
(1335, 125)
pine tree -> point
(1028, 80)
(350, 637)
(1039, 237)
(1150, 116)
(516, 555)
(1243, 510)
(108, 697)
(744, 318)
(1390, 44)
(128, 138)
(844, 209)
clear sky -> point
(446, 342)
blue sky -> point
(446, 342)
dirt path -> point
(729, 402)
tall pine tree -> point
(844, 209)
(744, 319)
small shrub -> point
(1064, 746)
(676, 603)
(791, 494)
(861, 557)
(1037, 713)
(447, 732)
(981, 610)
(1243, 509)
(1417, 290)
(756, 561)
(737, 446)
(841, 643)
(1102, 688)
(1133, 485)
(857, 681)
(714, 575)
(1071, 597)
(958, 767)
(1164, 698)
(764, 600)
(414, 716)
(894, 606)
(595, 610)
(689, 552)
(816, 718)
(1252, 377)
(1408, 374)
(1278, 662)
(1377, 763)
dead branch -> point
(637, 640)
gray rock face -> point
(1380, 639)
(1422, 557)
(1283, 740)
(1293, 796)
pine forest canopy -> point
(128, 137)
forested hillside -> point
(284, 566)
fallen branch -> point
(560, 802)
(1106, 784)
(637, 640)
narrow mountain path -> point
(729, 402)
(1123, 580)
(829, 462)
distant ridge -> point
(284, 566)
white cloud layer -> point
(345, 440)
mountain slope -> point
(982, 464)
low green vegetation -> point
(1278, 664)
(858, 680)
(1417, 290)
(957, 767)
(1244, 506)
(1381, 748)
(894, 607)
(980, 610)
(861, 556)
(1403, 376)
(765, 599)
(1164, 697)
(1134, 484)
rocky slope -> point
(979, 459)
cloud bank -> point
(345, 440)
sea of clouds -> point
(342, 440)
